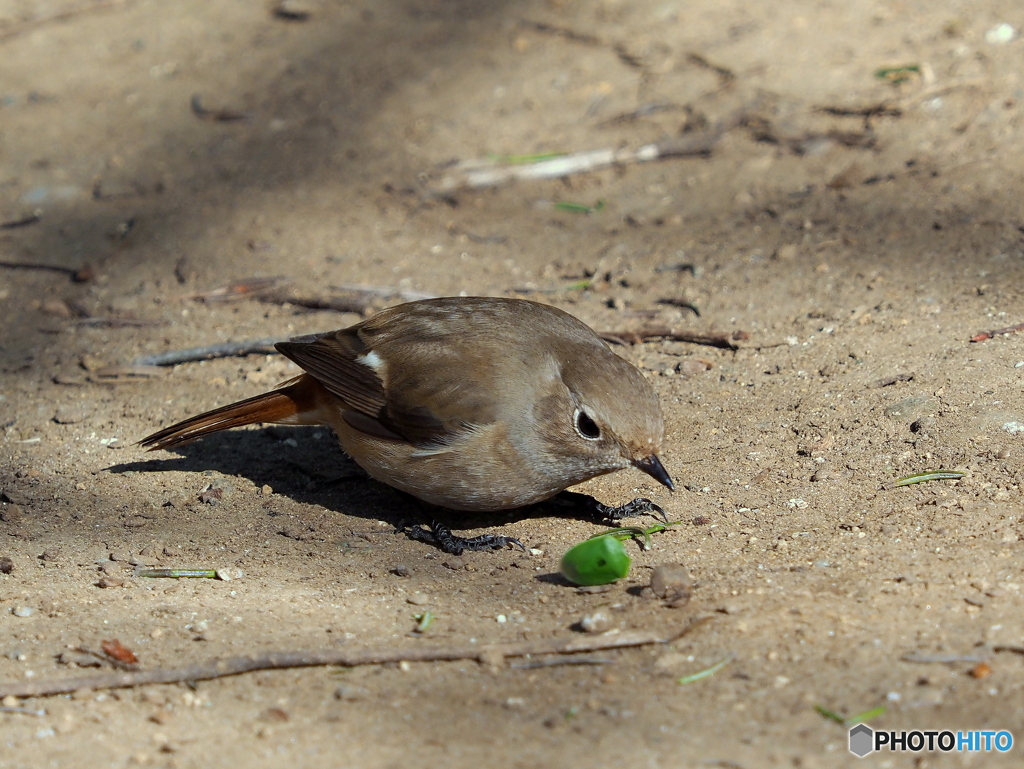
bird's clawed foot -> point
(438, 534)
(605, 514)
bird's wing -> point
(422, 400)
(338, 361)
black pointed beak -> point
(653, 467)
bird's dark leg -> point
(585, 506)
(438, 534)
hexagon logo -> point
(862, 740)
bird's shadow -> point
(308, 465)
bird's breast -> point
(482, 469)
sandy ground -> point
(857, 229)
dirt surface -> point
(858, 229)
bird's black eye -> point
(586, 426)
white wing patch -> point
(371, 360)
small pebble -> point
(10, 513)
(211, 495)
(1000, 34)
(671, 660)
(912, 408)
(23, 611)
(10, 701)
(6, 565)
(418, 599)
(922, 425)
(78, 659)
(598, 622)
(274, 715)
(454, 563)
(109, 582)
(292, 10)
(69, 415)
(401, 570)
(349, 693)
(688, 367)
(593, 589)
(56, 307)
(671, 582)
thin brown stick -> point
(356, 303)
(726, 339)
(231, 666)
(481, 173)
(726, 74)
(77, 274)
(881, 109)
(385, 292)
(563, 32)
(225, 350)
(114, 321)
(1009, 648)
(891, 380)
(981, 336)
(242, 289)
(24, 221)
(215, 115)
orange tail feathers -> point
(286, 404)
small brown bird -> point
(467, 403)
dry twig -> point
(230, 666)
(386, 292)
(225, 350)
(357, 303)
(891, 380)
(215, 115)
(981, 336)
(77, 274)
(242, 289)
(23, 221)
(724, 339)
(481, 173)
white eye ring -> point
(585, 426)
